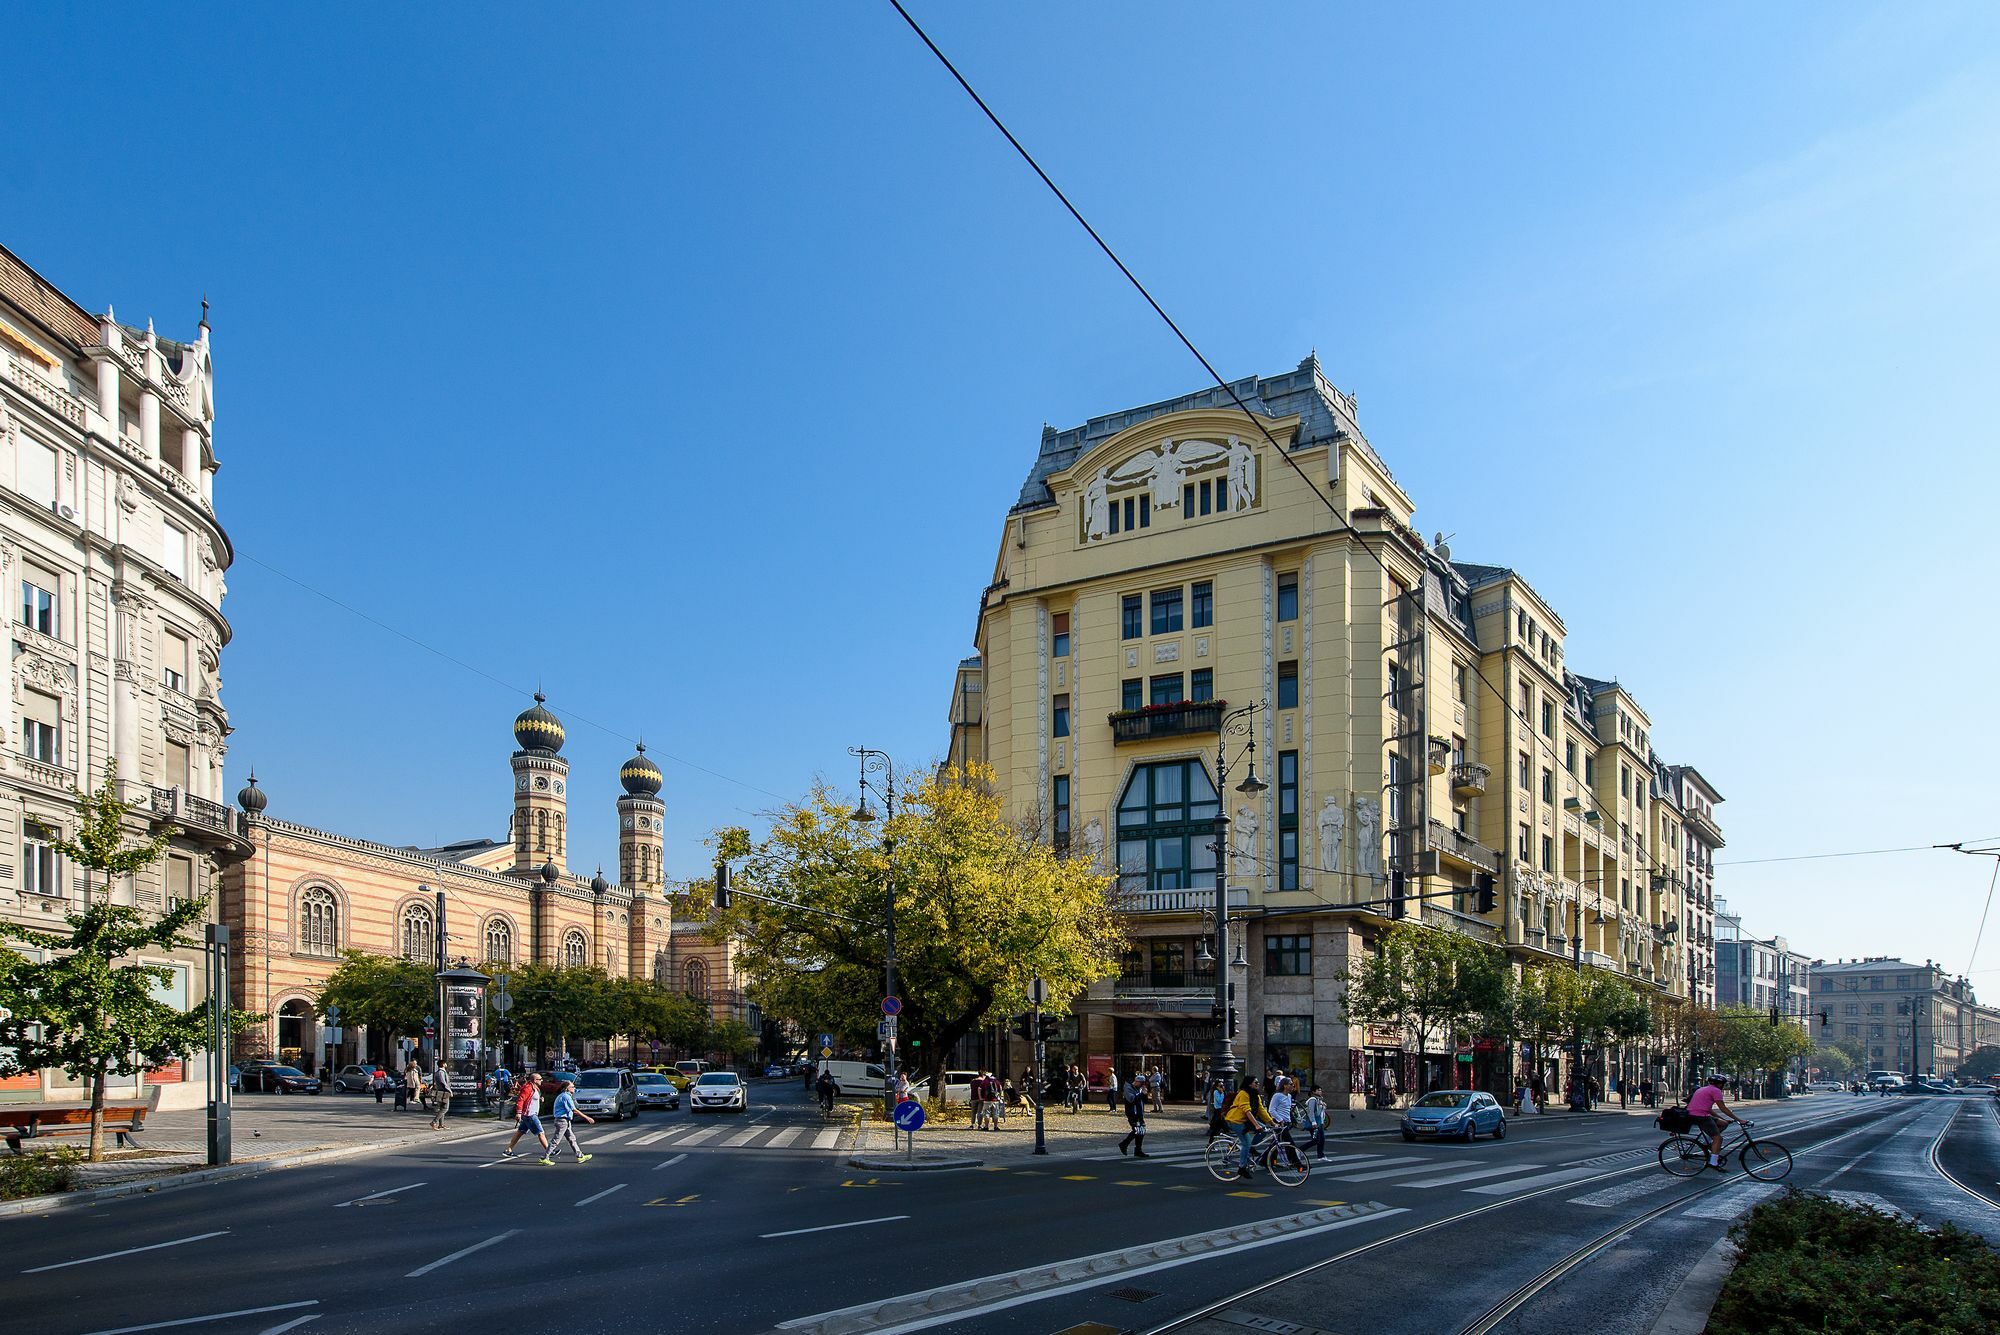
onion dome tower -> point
(541, 777)
(641, 824)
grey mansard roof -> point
(1325, 415)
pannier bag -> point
(1674, 1120)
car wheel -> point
(283, 1090)
(1500, 1131)
(1471, 1129)
(1409, 1136)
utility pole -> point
(218, 1044)
(1037, 991)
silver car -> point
(718, 1091)
(608, 1094)
(656, 1091)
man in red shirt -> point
(1708, 1111)
(528, 1108)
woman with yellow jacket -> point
(1243, 1119)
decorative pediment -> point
(1183, 467)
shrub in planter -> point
(1810, 1264)
(38, 1173)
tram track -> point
(1520, 1297)
(1937, 1165)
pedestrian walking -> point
(1156, 1083)
(1136, 1090)
(1540, 1089)
(981, 1095)
(1111, 1088)
(440, 1094)
(1646, 1092)
(1316, 1121)
(1624, 1088)
(528, 1114)
(1006, 1099)
(565, 1110)
(1216, 1099)
(379, 1083)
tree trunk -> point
(97, 1115)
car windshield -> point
(1444, 1098)
(288, 1070)
(597, 1080)
(716, 1078)
(651, 1078)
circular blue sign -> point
(909, 1116)
(892, 1005)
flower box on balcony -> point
(1180, 719)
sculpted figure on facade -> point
(1368, 823)
(1097, 506)
(1332, 828)
(1242, 475)
(1093, 844)
(1243, 843)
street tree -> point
(981, 909)
(1981, 1063)
(387, 993)
(84, 1007)
(1429, 982)
(1842, 1058)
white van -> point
(854, 1077)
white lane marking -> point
(460, 1254)
(601, 1195)
(199, 1320)
(129, 1251)
(610, 1136)
(1104, 1264)
(700, 1136)
(669, 1163)
(1730, 1201)
(293, 1324)
(828, 1228)
(393, 1191)
(784, 1138)
(1539, 1180)
(743, 1137)
(1470, 1175)
(827, 1139)
(1375, 1174)
(652, 1136)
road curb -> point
(70, 1200)
(896, 1163)
(1687, 1310)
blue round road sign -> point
(892, 1005)
(909, 1116)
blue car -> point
(1458, 1113)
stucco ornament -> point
(1242, 475)
(1097, 505)
(1332, 828)
(207, 550)
(128, 493)
(1243, 844)
(1093, 844)
(1368, 833)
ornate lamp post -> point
(1222, 1065)
(879, 762)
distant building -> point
(1764, 973)
(113, 561)
(1872, 1002)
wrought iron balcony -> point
(1463, 848)
(186, 809)
(1468, 778)
(1183, 719)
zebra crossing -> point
(690, 1135)
(1425, 1173)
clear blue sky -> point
(685, 359)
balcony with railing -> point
(1183, 718)
(1468, 778)
(1463, 848)
(184, 808)
(1189, 899)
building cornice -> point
(570, 885)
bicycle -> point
(1685, 1154)
(1279, 1157)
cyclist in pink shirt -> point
(1708, 1111)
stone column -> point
(149, 423)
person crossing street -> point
(1136, 1090)
(565, 1109)
(528, 1114)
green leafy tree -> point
(383, 992)
(79, 1008)
(1430, 982)
(1983, 1062)
(732, 1038)
(648, 1011)
(1842, 1058)
(981, 909)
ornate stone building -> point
(305, 896)
(114, 562)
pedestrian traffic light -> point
(1050, 1028)
(1024, 1027)
(1398, 906)
(1483, 883)
(722, 885)
(1232, 1022)
(1774, 1017)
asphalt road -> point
(671, 1226)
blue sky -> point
(684, 359)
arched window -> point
(541, 831)
(499, 941)
(419, 933)
(697, 979)
(611, 960)
(576, 951)
(1166, 828)
(319, 922)
(660, 967)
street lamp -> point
(1236, 723)
(871, 759)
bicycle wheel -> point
(1286, 1165)
(1765, 1160)
(1221, 1158)
(1683, 1156)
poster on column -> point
(1099, 1072)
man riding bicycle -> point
(1707, 1110)
(1243, 1119)
(824, 1088)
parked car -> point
(854, 1077)
(1462, 1113)
(354, 1078)
(656, 1090)
(1825, 1087)
(279, 1080)
(607, 1093)
(718, 1091)
(684, 1072)
(776, 1071)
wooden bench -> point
(31, 1121)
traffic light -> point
(1024, 1027)
(505, 1031)
(1774, 1017)
(1488, 900)
(722, 885)
(1398, 906)
(1232, 1022)
(1825, 1018)
(1050, 1028)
